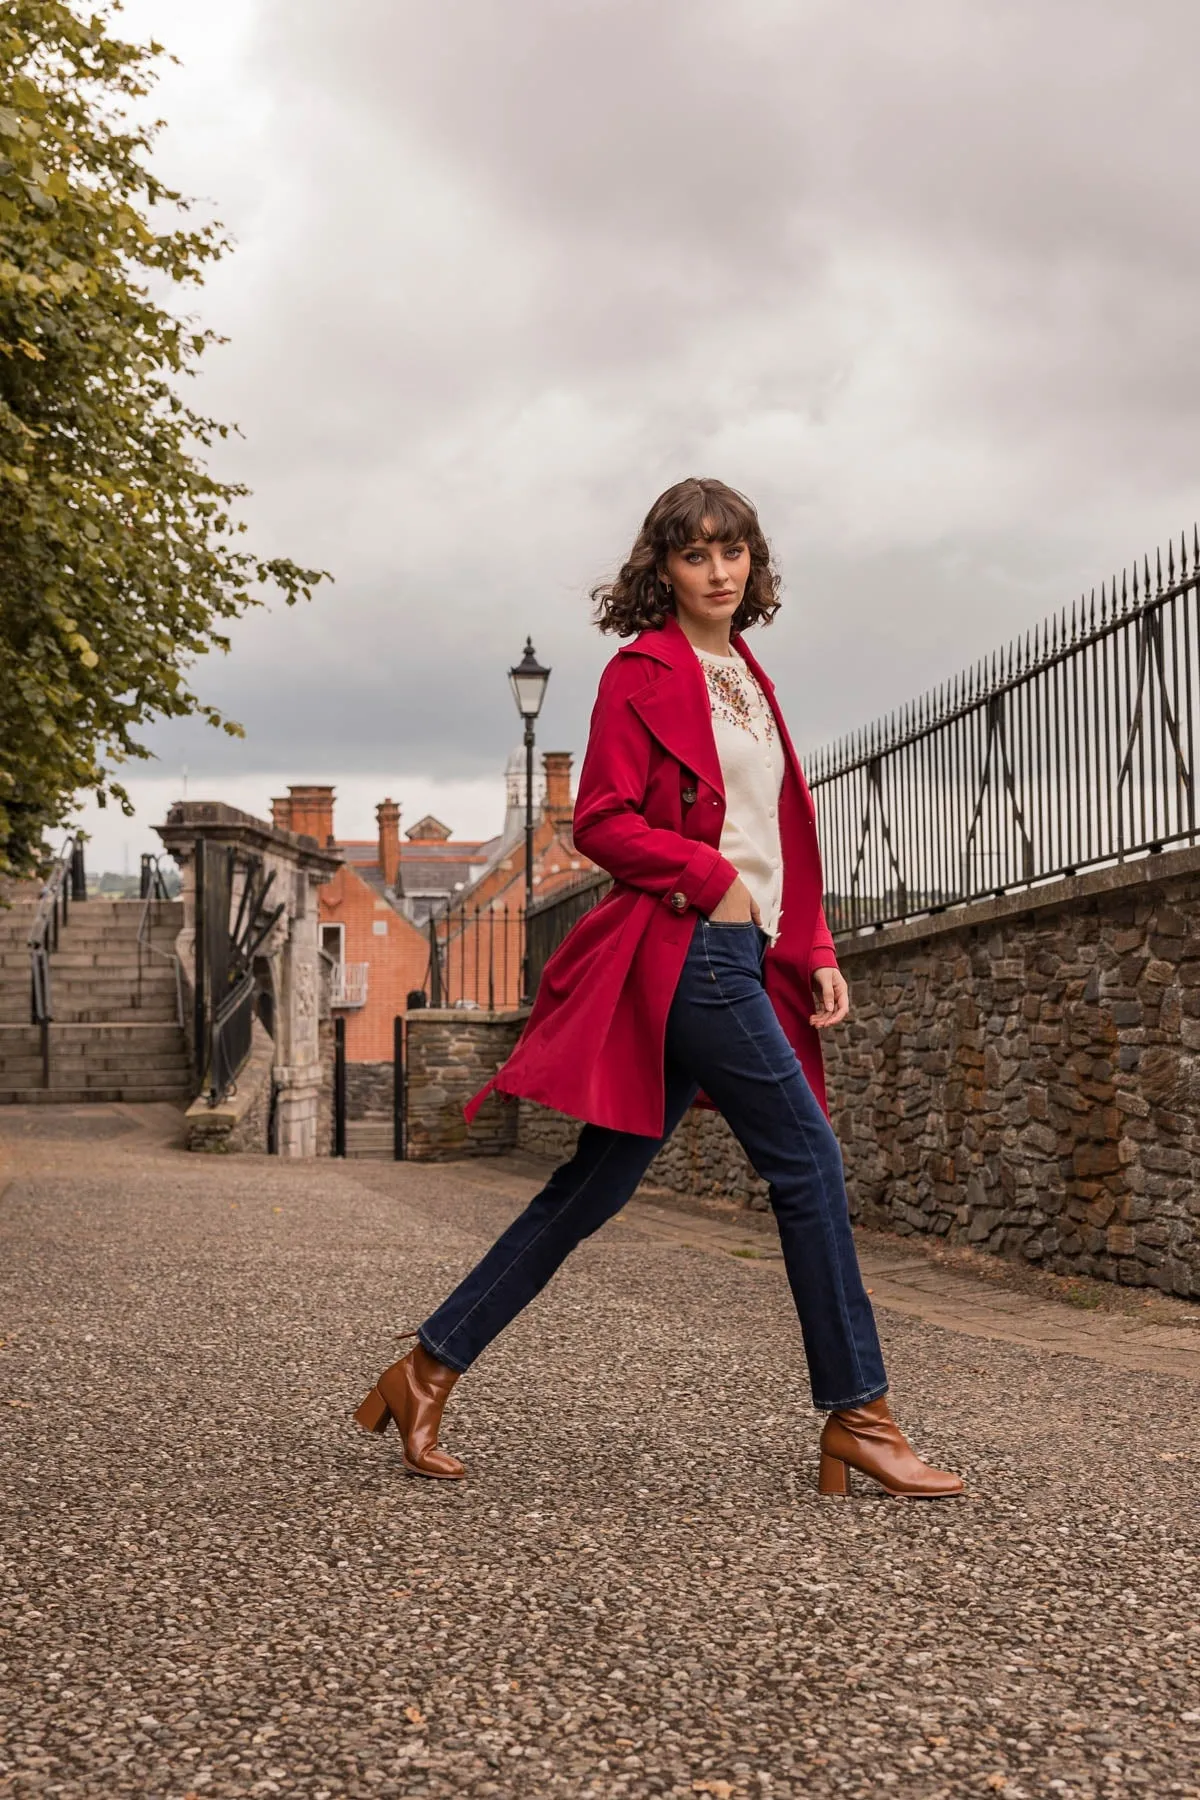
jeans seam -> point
(536, 1238)
(753, 1042)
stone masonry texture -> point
(450, 1055)
(1031, 1082)
(369, 1090)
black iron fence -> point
(1071, 749)
(552, 918)
(475, 956)
(227, 941)
(492, 955)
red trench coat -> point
(650, 810)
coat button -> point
(689, 796)
(679, 901)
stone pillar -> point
(292, 948)
(451, 1053)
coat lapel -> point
(676, 706)
(789, 749)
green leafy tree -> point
(120, 553)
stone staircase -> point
(370, 1140)
(115, 1035)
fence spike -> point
(1146, 582)
(1195, 549)
(1183, 565)
(1170, 562)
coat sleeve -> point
(609, 826)
(822, 955)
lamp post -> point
(528, 681)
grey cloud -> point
(921, 277)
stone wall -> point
(703, 1157)
(1022, 1074)
(1025, 1074)
(369, 1090)
(451, 1054)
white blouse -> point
(752, 764)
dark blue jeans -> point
(722, 1036)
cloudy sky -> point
(923, 278)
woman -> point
(707, 972)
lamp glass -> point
(528, 682)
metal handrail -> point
(66, 882)
(153, 888)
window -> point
(333, 942)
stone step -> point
(99, 1073)
(369, 1140)
(103, 1015)
(79, 1096)
(147, 1034)
(67, 1003)
(121, 911)
(108, 1052)
(76, 1075)
(119, 956)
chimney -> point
(312, 812)
(388, 815)
(558, 806)
(281, 814)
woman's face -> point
(708, 580)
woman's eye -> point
(694, 556)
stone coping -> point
(189, 819)
(462, 1015)
(1066, 890)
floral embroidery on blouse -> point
(737, 698)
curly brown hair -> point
(706, 510)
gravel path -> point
(213, 1585)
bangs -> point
(709, 512)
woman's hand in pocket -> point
(735, 907)
(832, 998)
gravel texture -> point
(212, 1584)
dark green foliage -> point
(120, 559)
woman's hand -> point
(736, 906)
(832, 997)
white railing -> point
(348, 984)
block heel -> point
(834, 1476)
(374, 1413)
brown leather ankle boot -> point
(413, 1392)
(867, 1438)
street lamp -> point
(528, 682)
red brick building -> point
(375, 912)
